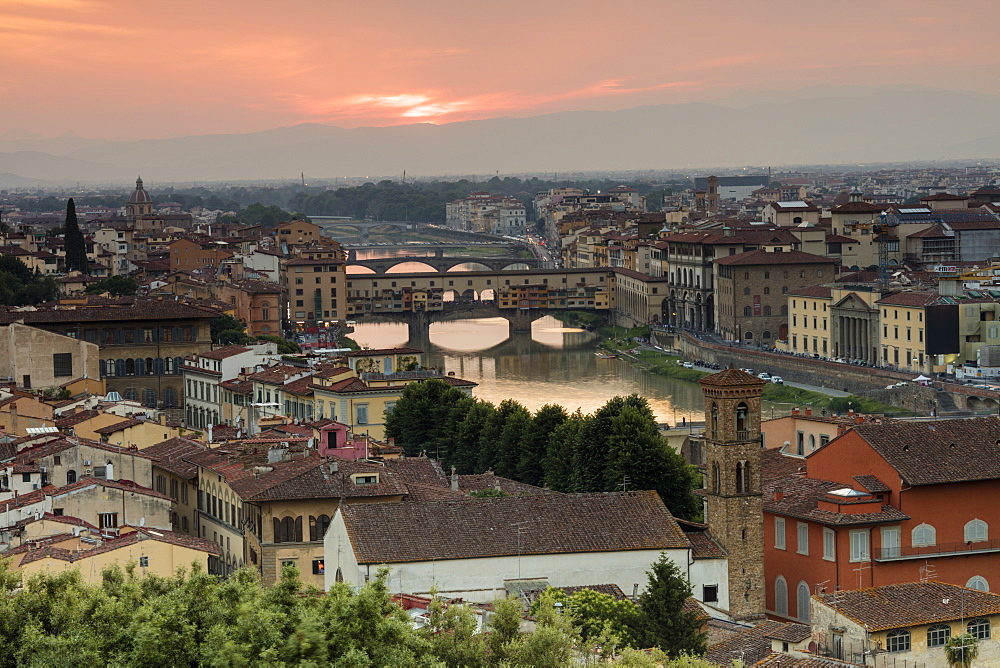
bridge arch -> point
(516, 266)
(359, 269)
(422, 269)
(465, 265)
(976, 403)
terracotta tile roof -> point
(76, 418)
(422, 470)
(139, 310)
(54, 447)
(761, 257)
(277, 374)
(790, 632)
(118, 426)
(22, 500)
(704, 546)
(750, 645)
(238, 386)
(728, 377)
(476, 528)
(224, 353)
(488, 480)
(871, 484)
(910, 604)
(858, 207)
(929, 453)
(311, 478)
(159, 535)
(36, 543)
(909, 299)
(416, 491)
(840, 239)
(301, 387)
(170, 456)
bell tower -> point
(735, 507)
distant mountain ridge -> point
(893, 126)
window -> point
(143, 562)
(890, 542)
(937, 635)
(802, 545)
(923, 536)
(779, 533)
(108, 520)
(780, 596)
(978, 582)
(859, 545)
(802, 598)
(62, 364)
(976, 531)
(897, 641)
(710, 594)
(100, 472)
(288, 530)
(25, 477)
(979, 628)
(318, 567)
(318, 526)
(366, 480)
(361, 413)
(58, 512)
(829, 544)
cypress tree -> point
(663, 622)
(74, 244)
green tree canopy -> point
(74, 243)
(19, 286)
(227, 331)
(664, 621)
(285, 347)
(425, 416)
(116, 286)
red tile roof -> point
(909, 604)
(170, 456)
(129, 539)
(224, 352)
(728, 377)
(761, 257)
(477, 528)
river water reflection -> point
(555, 364)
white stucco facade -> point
(481, 580)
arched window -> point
(150, 398)
(130, 367)
(780, 596)
(149, 366)
(288, 530)
(898, 641)
(158, 366)
(742, 420)
(131, 394)
(119, 367)
(716, 478)
(169, 365)
(937, 635)
(978, 582)
(766, 334)
(746, 291)
(715, 419)
(748, 336)
(740, 479)
(976, 531)
(103, 367)
(923, 535)
(979, 628)
(178, 363)
(169, 397)
(767, 290)
(802, 601)
(140, 367)
(322, 524)
(746, 311)
(70, 477)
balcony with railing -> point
(939, 550)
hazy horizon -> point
(111, 70)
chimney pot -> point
(858, 419)
(795, 411)
(809, 411)
(778, 494)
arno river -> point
(555, 364)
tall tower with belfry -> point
(735, 506)
(139, 203)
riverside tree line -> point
(617, 447)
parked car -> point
(763, 375)
(778, 379)
(688, 365)
(749, 371)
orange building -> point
(885, 502)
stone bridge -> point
(418, 322)
(444, 264)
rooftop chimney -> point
(454, 480)
(778, 494)
(809, 411)
(858, 419)
(795, 411)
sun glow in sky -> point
(123, 69)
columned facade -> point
(854, 330)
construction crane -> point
(880, 230)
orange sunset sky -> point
(129, 69)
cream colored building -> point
(905, 624)
(37, 359)
(904, 339)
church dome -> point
(139, 195)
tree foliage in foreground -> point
(116, 286)
(195, 619)
(617, 447)
(19, 286)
